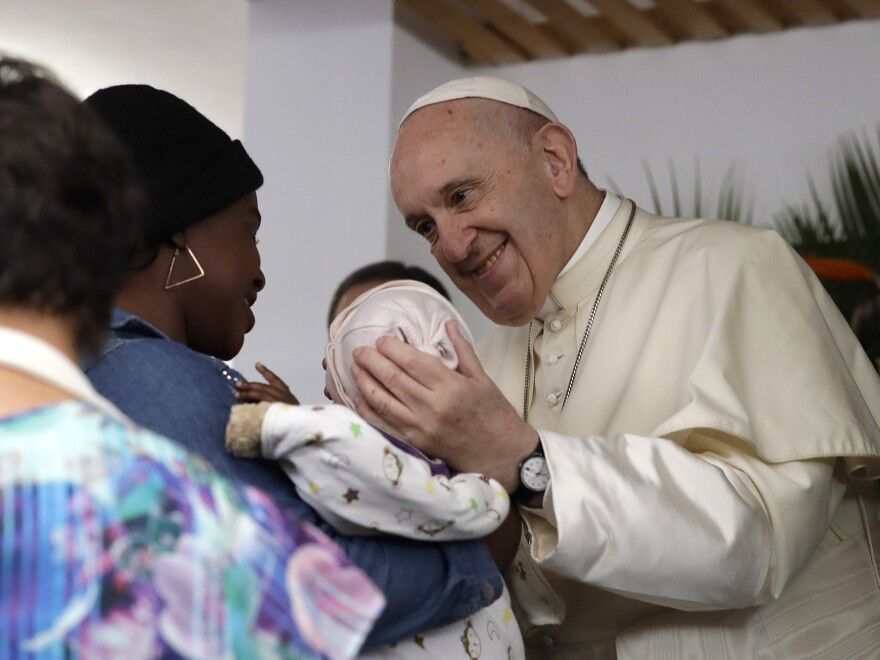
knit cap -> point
(189, 166)
(409, 310)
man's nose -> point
(455, 241)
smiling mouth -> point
(482, 270)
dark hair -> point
(70, 204)
(381, 272)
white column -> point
(317, 110)
(418, 69)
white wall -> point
(327, 82)
(318, 108)
(195, 49)
(773, 104)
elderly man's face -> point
(484, 205)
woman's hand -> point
(273, 390)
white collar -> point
(603, 218)
(33, 356)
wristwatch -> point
(534, 475)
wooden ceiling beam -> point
(632, 22)
(809, 12)
(497, 32)
(531, 38)
(863, 8)
(752, 14)
(481, 46)
(566, 20)
(692, 18)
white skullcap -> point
(409, 310)
(483, 87)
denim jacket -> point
(186, 396)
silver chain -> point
(577, 362)
(528, 375)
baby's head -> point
(409, 310)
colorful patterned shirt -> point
(117, 542)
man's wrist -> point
(534, 477)
(536, 501)
(513, 462)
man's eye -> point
(425, 228)
(459, 195)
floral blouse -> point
(115, 542)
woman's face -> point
(216, 308)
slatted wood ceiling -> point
(493, 32)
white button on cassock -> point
(552, 399)
(555, 324)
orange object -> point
(840, 269)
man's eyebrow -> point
(449, 186)
(412, 219)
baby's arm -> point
(340, 463)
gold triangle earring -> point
(168, 283)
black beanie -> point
(189, 166)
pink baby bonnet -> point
(409, 310)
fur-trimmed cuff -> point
(243, 431)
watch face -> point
(535, 474)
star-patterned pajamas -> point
(364, 482)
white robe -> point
(695, 505)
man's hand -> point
(273, 390)
(458, 416)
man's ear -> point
(559, 152)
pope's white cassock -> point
(714, 470)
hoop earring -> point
(168, 283)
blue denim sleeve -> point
(175, 392)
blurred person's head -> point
(406, 309)
(70, 205)
(374, 274)
(200, 271)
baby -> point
(363, 481)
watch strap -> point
(523, 492)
